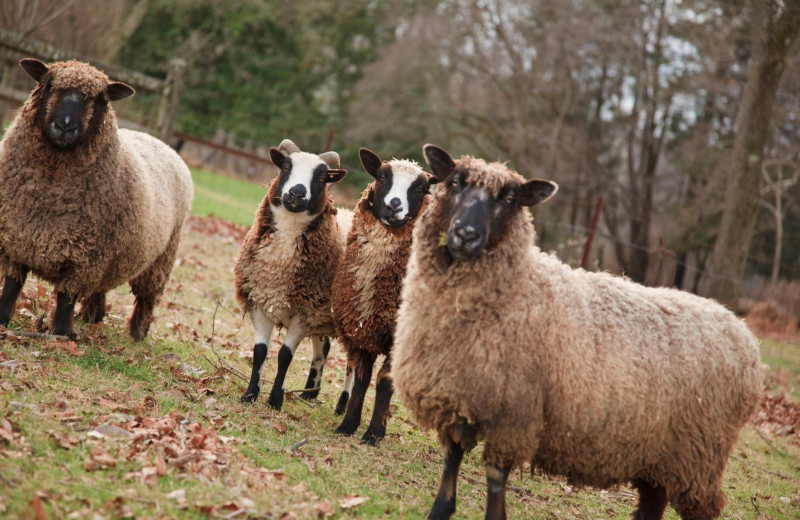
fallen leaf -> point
(324, 509)
(36, 504)
(352, 501)
(110, 431)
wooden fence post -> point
(170, 99)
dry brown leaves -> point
(218, 228)
(12, 442)
(781, 416)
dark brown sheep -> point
(366, 289)
(85, 205)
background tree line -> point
(682, 114)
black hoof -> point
(346, 428)
(372, 438)
(249, 397)
(275, 400)
(341, 406)
(440, 513)
(310, 395)
(62, 332)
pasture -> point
(108, 428)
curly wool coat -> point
(94, 216)
(586, 375)
(285, 270)
(366, 289)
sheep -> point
(85, 205)
(366, 288)
(286, 265)
(581, 374)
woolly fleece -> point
(291, 271)
(94, 216)
(366, 289)
(586, 375)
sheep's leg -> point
(362, 362)
(93, 308)
(347, 389)
(703, 504)
(496, 483)
(383, 397)
(11, 289)
(263, 332)
(148, 287)
(652, 501)
(445, 504)
(62, 318)
(294, 334)
(321, 348)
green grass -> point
(231, 199)
(55, 393)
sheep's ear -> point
(117, 91)
(536, 191)
(335, 175)
(370, 161)
(277, 157)
(432, 179)
(35, 68)
(442, 165)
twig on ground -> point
(765, 470)
(38, 335)
(223, 362)
(302, 390)
(305, 402)
(298, 444)
(770, 444)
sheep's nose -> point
(467, 234)
(395, 205)
(298, 191)
(66, 124)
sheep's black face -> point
(480, 209)
(302, 181)
(69, 114)
(66, 116)
(400, 188)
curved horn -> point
(330, 158)
(288, 146)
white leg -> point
(294, 335)
(263, 331)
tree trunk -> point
(771, 38)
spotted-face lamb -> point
(85, 205)
(581, 374)
(366, 289)
(286, 265)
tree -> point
(774, 29)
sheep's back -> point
(89, 229)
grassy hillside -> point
(108, 428)
(231, 199)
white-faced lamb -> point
(286, 265)
(366, 289)
(581, 374)
(83, 204)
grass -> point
(55, 393)
(231, 199)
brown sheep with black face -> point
(366, 289)
(586, 375)
(286, 264)
(85, 205)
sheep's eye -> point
(455, 181)
(509, 198)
